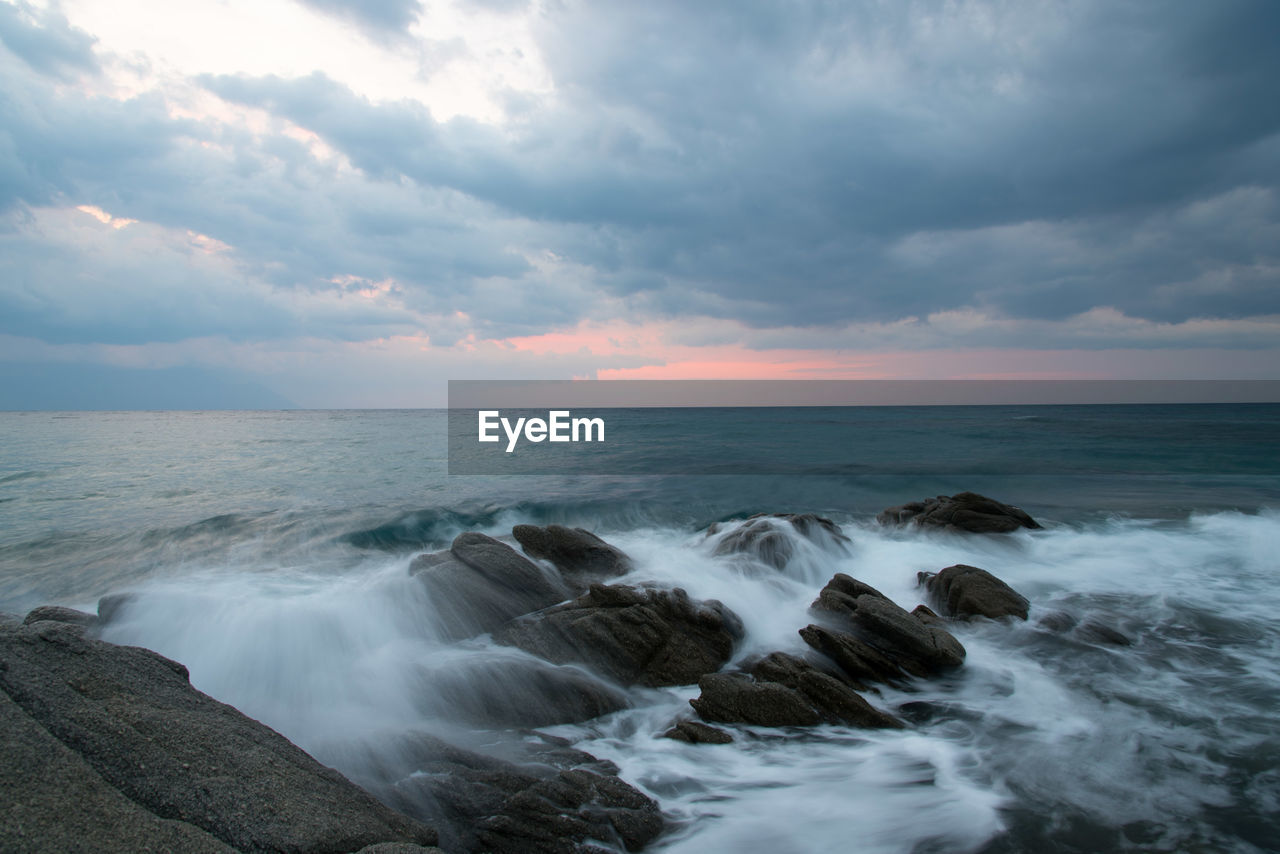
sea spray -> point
(1042, 734)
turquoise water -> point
(269, 552)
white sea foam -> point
(1143, 743)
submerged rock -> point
(113, 605)
(694, 732)
(580, 555)
(518, 692)
(632, 635)
(109, 748)
(1090, 631)
(481, 803)
(964, 592)
(481, 583)
(768, 537)
(872, 639)
(964, 511)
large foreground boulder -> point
(783, 690)
(109, 748)
(963, 592)
(872, 639)
(580, 555)
(964, 511)
(559, 802)
(481, 583)
(770, 537)
(632, 635)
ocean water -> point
(269, 553)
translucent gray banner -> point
(864, 427)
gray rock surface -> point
(580, 555)
(768, 537)
(632, 635)
(109, 748)
(524, 692)
(782, 690)
(873, 639)
(964, 592)
(964, 511)
(484, 804)
(695, 732)
(59, 614)
(481, 583)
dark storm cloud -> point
(787, 165)
(379, 18)
(776, 155)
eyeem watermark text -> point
(558, 426)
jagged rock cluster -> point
(152, 764)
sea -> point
(269, 552)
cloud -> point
(45, 40)
(379, 18)
(837, 177)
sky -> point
(323, 203)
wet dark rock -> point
(926, 615)
(964, 511)
(768, 537)
(580, 555)
(783, 690)
(694, 732)
(632, 635)
(1058, 621)
(964, 592)
(481, 583)
(518, 692)
(482, 803)
(109, 748)
(835, 700)
(59, 614)
(738, 698)
(113, 605)
(873, 639)
(1096, 632)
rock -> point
(694, 732)
(110, 748)
(964, 511)
(631, 635)
(480, 584)
(768, 537)
(782, 690)
(59, 614)
(1058, 621)
(834, 699)
(964, 592)
(737, 698)
(877, 640)
(1096, 632)
(1090, 631)
(112, 606)
(399, 848)
(518, 692)
(52, 800)
(481, 803)
(580, 555)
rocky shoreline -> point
(110, 748)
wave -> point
(1043, 736)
